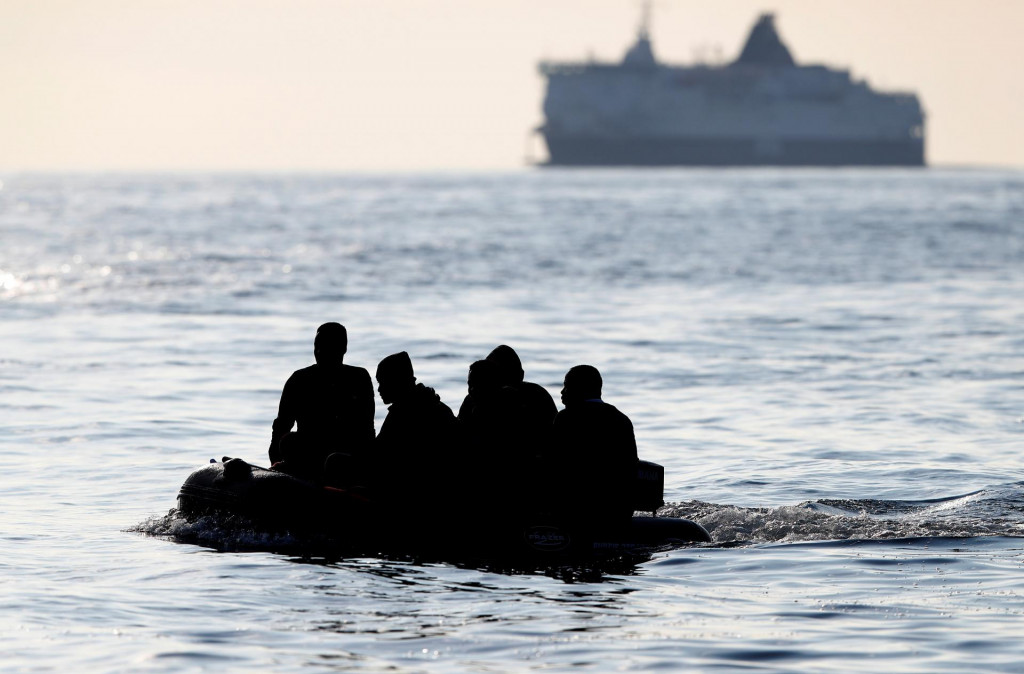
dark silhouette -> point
(764, 47)
(416, 449)
(538, 408)
(498, 445)
(331, 402)
(593, 454)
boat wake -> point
(229, 533)
(996, 511)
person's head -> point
(330, 344)
(484, 380)
(582, 382)
(395, 377)
(510, 368)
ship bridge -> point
(764, 47)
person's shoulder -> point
(355, 372)
(601, 410)
(614, 412)
(534, 388)
(611, 409)
(425, 395)
(535, 391)
(303, 373)
(445, 411)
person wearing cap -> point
(593, 454)
(330, 404)
(417, 443)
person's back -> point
(534, 407)
(328, 404)
(331, 405)
(593, 452)
(500, 457)
(416, 446)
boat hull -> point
(566, 150)
(272, 500)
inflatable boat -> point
(271, 500)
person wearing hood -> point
(501, 447)
(535, 405)
(417, 443)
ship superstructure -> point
(761, 109)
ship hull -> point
(653, 151)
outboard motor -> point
(648, 487)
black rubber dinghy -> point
(276, 501)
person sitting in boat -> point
(330, 402)
(501, 455)
(417, 444)
(538, 407)
(592, 454)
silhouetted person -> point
(538, 407)
(331, 402)
(499, 452)
(593, 454)
(416, 447)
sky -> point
(409, 85)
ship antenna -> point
(644, 30)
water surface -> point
(828, 363)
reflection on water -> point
(226, 533)
(827, 363)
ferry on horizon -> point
(761, 109)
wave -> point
(996, 511)
(227, 533)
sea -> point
(829, 364)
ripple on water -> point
(815, 356)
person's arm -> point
(286, 416)
(631, 443)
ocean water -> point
(829, 364)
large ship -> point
(761, 109)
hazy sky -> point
(447, 84)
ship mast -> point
(644, 29)
(641, 54)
